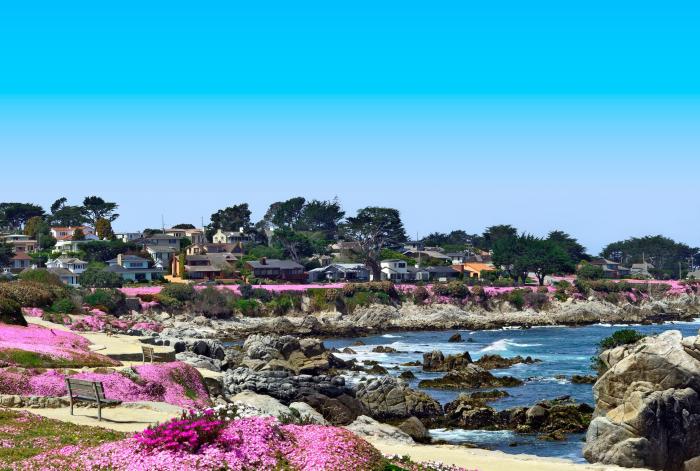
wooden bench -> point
(89, 391)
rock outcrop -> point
(470, 377)
(367, 427)
(494, 362)
(648, 405)
(390, 398)
(437, 361)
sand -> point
(130, 417)
(485, 460)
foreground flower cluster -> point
(175, 383)
(260, 443)
(99, 321)
(38, 346)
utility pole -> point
(162, 223)
(418, 246)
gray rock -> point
(389, 398)
(366, 427)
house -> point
(394, 270)
(66, 232)
(353, 272)
(160, 240)
(205, 266)
(133, 268)
(162, 255)
(69, 246)
(72, 264)
(442, 273)
(610, 268)
(274, 269)
(228, 237)
(474, 269)
(693, 275)
(641, 269)
(417, 274)
(66, 276)
(21, 243)
(128, 236)
(457, 258)
(196, 249)
(195, 235)
(20, 261)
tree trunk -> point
(376, 269)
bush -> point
(420, 295)
(180, 291)
(516, 298)
(284, 303)
(583, 287)
(503, 282)
(30, 294)
(210, 302)
(106, 299)
(620, 337)
(537, 300)
(63, 306)
(261, 294)
(246, 291)
(246, 307)
(11, 312)
(168, 302)
(42, 276)
(588, 271)
(95, 277)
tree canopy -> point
(665, 254)
(374, 228)
(97, 208)
(519, 255)
(576, 251)
(15, 215)
(232, 218)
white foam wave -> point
(504, 344)
(390, 336)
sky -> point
(580, 116)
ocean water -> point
(564, 351)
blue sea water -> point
(564, 351)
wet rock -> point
(583, 379)
(408, 374)
(492, 362)
(384, 349)
(455, 338)
(470, 377)
(436, 361)
(348, 351)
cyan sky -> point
(545, 114)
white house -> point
(66, 233)
(128, 236)
(66, 276)
(195, 235)
(228, 237)
(394, 270)
(72, 264)
(161, 254)
(68, 246)
(133, 268)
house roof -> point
(67, 259)
(274, 263)
(128, 258)
(478, 267)
(120, 269)
(21, 256)
(441, 270)
(160, 248)
(204, 268)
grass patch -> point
(27, 359)
(31, 435)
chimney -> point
(119, 260)
(263, 261)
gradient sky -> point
(582, 116)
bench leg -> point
(99, 411)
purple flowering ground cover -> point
(196, 441)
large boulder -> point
(437, 361)
(389, 398)
(339, 410)
(648, 405)
(367, 427)
(469, 377)
(493, 362)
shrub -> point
(537, 300)
(180, 291)
(106, 299)
(11, 312)
(261, 294)
(63, 306)
(420, 295)
(583, 287)
(29, 294)
(588, 271)
(246, 307)
(620, 337)
(503, 282)
(42, 276)
(516, 298)
(210, 302)
(168, 302)
(95, 277)
(246, 291)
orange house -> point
(474, 269)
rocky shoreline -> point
(379, 318)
